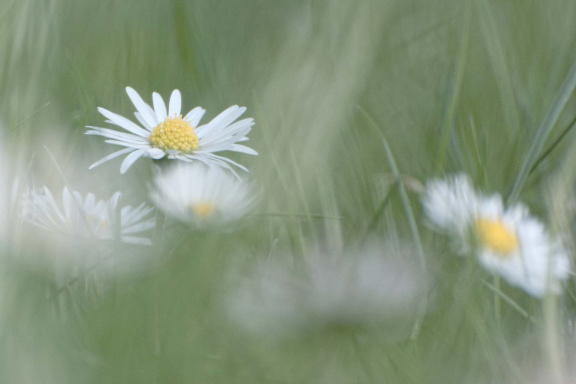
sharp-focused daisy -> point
(167, 134)
(86, 218)
(508, 241)
(202, 195)
(363, 289)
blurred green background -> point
(452, 85)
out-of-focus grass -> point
(453, 86)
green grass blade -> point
(409, 214)
(543, 132)
(554, 144)
(458, 78)
(498, 60)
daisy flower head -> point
(164, 133)
(202, 195)
(518, 247)
(365, 288)
(85, 218)
(450, 203)
(508, 241)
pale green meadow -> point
(408, 217)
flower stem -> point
(552, 346)
(497, 300)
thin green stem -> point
(497, 301)
(457, 80)
(554, 144)
(409, 214)
(564, 94)
(510, 301)
(552, 345)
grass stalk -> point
(543, 132)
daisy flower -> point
(164, 133)
(87, 218)
(450, 205)
(518, 247)
(507, 240)
(202, 195)
(364, 288)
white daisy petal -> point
(111, 156)
(159, 107)
(136, 240)
(242, 149)
(115, 134)
(123, 143)
(175, 104)
(189, 159)
(223, 145)
(210, 160)
(227, 160)
(144, 109)
(194, 117)
(124, 123)
(223, 136)
(140, 227)
(226, 117)
(143, 122)
(130, 159)
(132, 215)
(156, 153)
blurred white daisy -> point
(508, 241)
(364, 288)
(166, 133)
(450, 205)
(202, 195)
(86, 218)
(518, 247)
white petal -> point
(126, 143)
(143, 122)
(115, 134)
(227, 117)
(130, 159)
(159, 107)
(156, 153)
(111, 156)
(123, 122)
(140, 227)
(194, 116)
(175, 104)
(212, 134)
(136, 240)
(243, 149)
(187, 159)
(227, 160)
(145, 110)
(131, 215)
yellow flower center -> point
(494, 235)
(203, 210)
(175, 134)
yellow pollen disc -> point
(202, 210)
(175, 134)
(493, 234)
